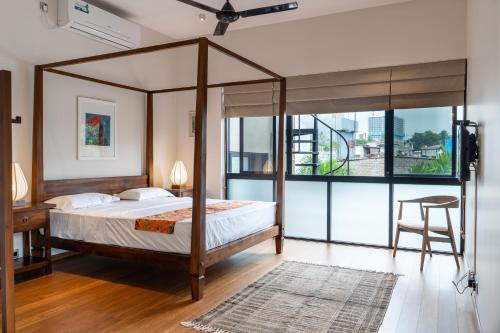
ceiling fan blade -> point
(269, 10)
(199, 5)
(220, 29)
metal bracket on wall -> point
(16, 120)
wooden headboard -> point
(108, 185)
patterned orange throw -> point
(165, 222)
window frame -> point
(242, 174)
(454, 146)
(388, 178)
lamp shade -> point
(268, 167)
(19, 183)
(179, 174)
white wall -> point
(412, 32)
(186, 102)
(60, 130)
(165, 137)
(483, 98)
(22, 105)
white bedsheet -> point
(114, 224)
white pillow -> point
(146, 193)
(84, 200)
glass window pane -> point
(360, 213)
(250, 189)
(233, 158)
(258, 144)
(436, 217)
(342, 144)
(306, 209)
(423, 141)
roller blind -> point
(339, 92)
(410, 86)
(428, 85)
(251, 100)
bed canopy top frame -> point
(200, 258)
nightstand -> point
(30, 219)
(181, 192)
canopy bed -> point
(198, 256)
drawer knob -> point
(25, 219)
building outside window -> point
(348, 144)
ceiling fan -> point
(229, 15)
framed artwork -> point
(96, 129)
(192, 123)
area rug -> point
(301, 297)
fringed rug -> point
(300, 297)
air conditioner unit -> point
(95, 23)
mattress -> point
(114, 224)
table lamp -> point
(19, 185)
(179, 175)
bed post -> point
(149, 139)
(198, 246)
(280, 178)
(37, 159)
(6, 224)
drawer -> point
(24, 221)
(185, 194)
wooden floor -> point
(94, 294)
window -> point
(424, 141)
(306, 223)
(251, 145)
(360, 213)
(339, 144)
(436, 217)
(346, 171)
(233, 145)
(250, 189)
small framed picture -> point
(192, 123)
(96, 129)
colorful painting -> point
(97, 129)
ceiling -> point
(178, 20)
(36, 39)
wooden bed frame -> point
(199, 259)
(6, 217)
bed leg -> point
(279, 244)
(197, 286)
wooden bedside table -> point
(29, 219)
(181, 192)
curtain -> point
(410, 86)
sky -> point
(416, 120)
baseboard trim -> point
(476, 311)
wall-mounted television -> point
(469, 149)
